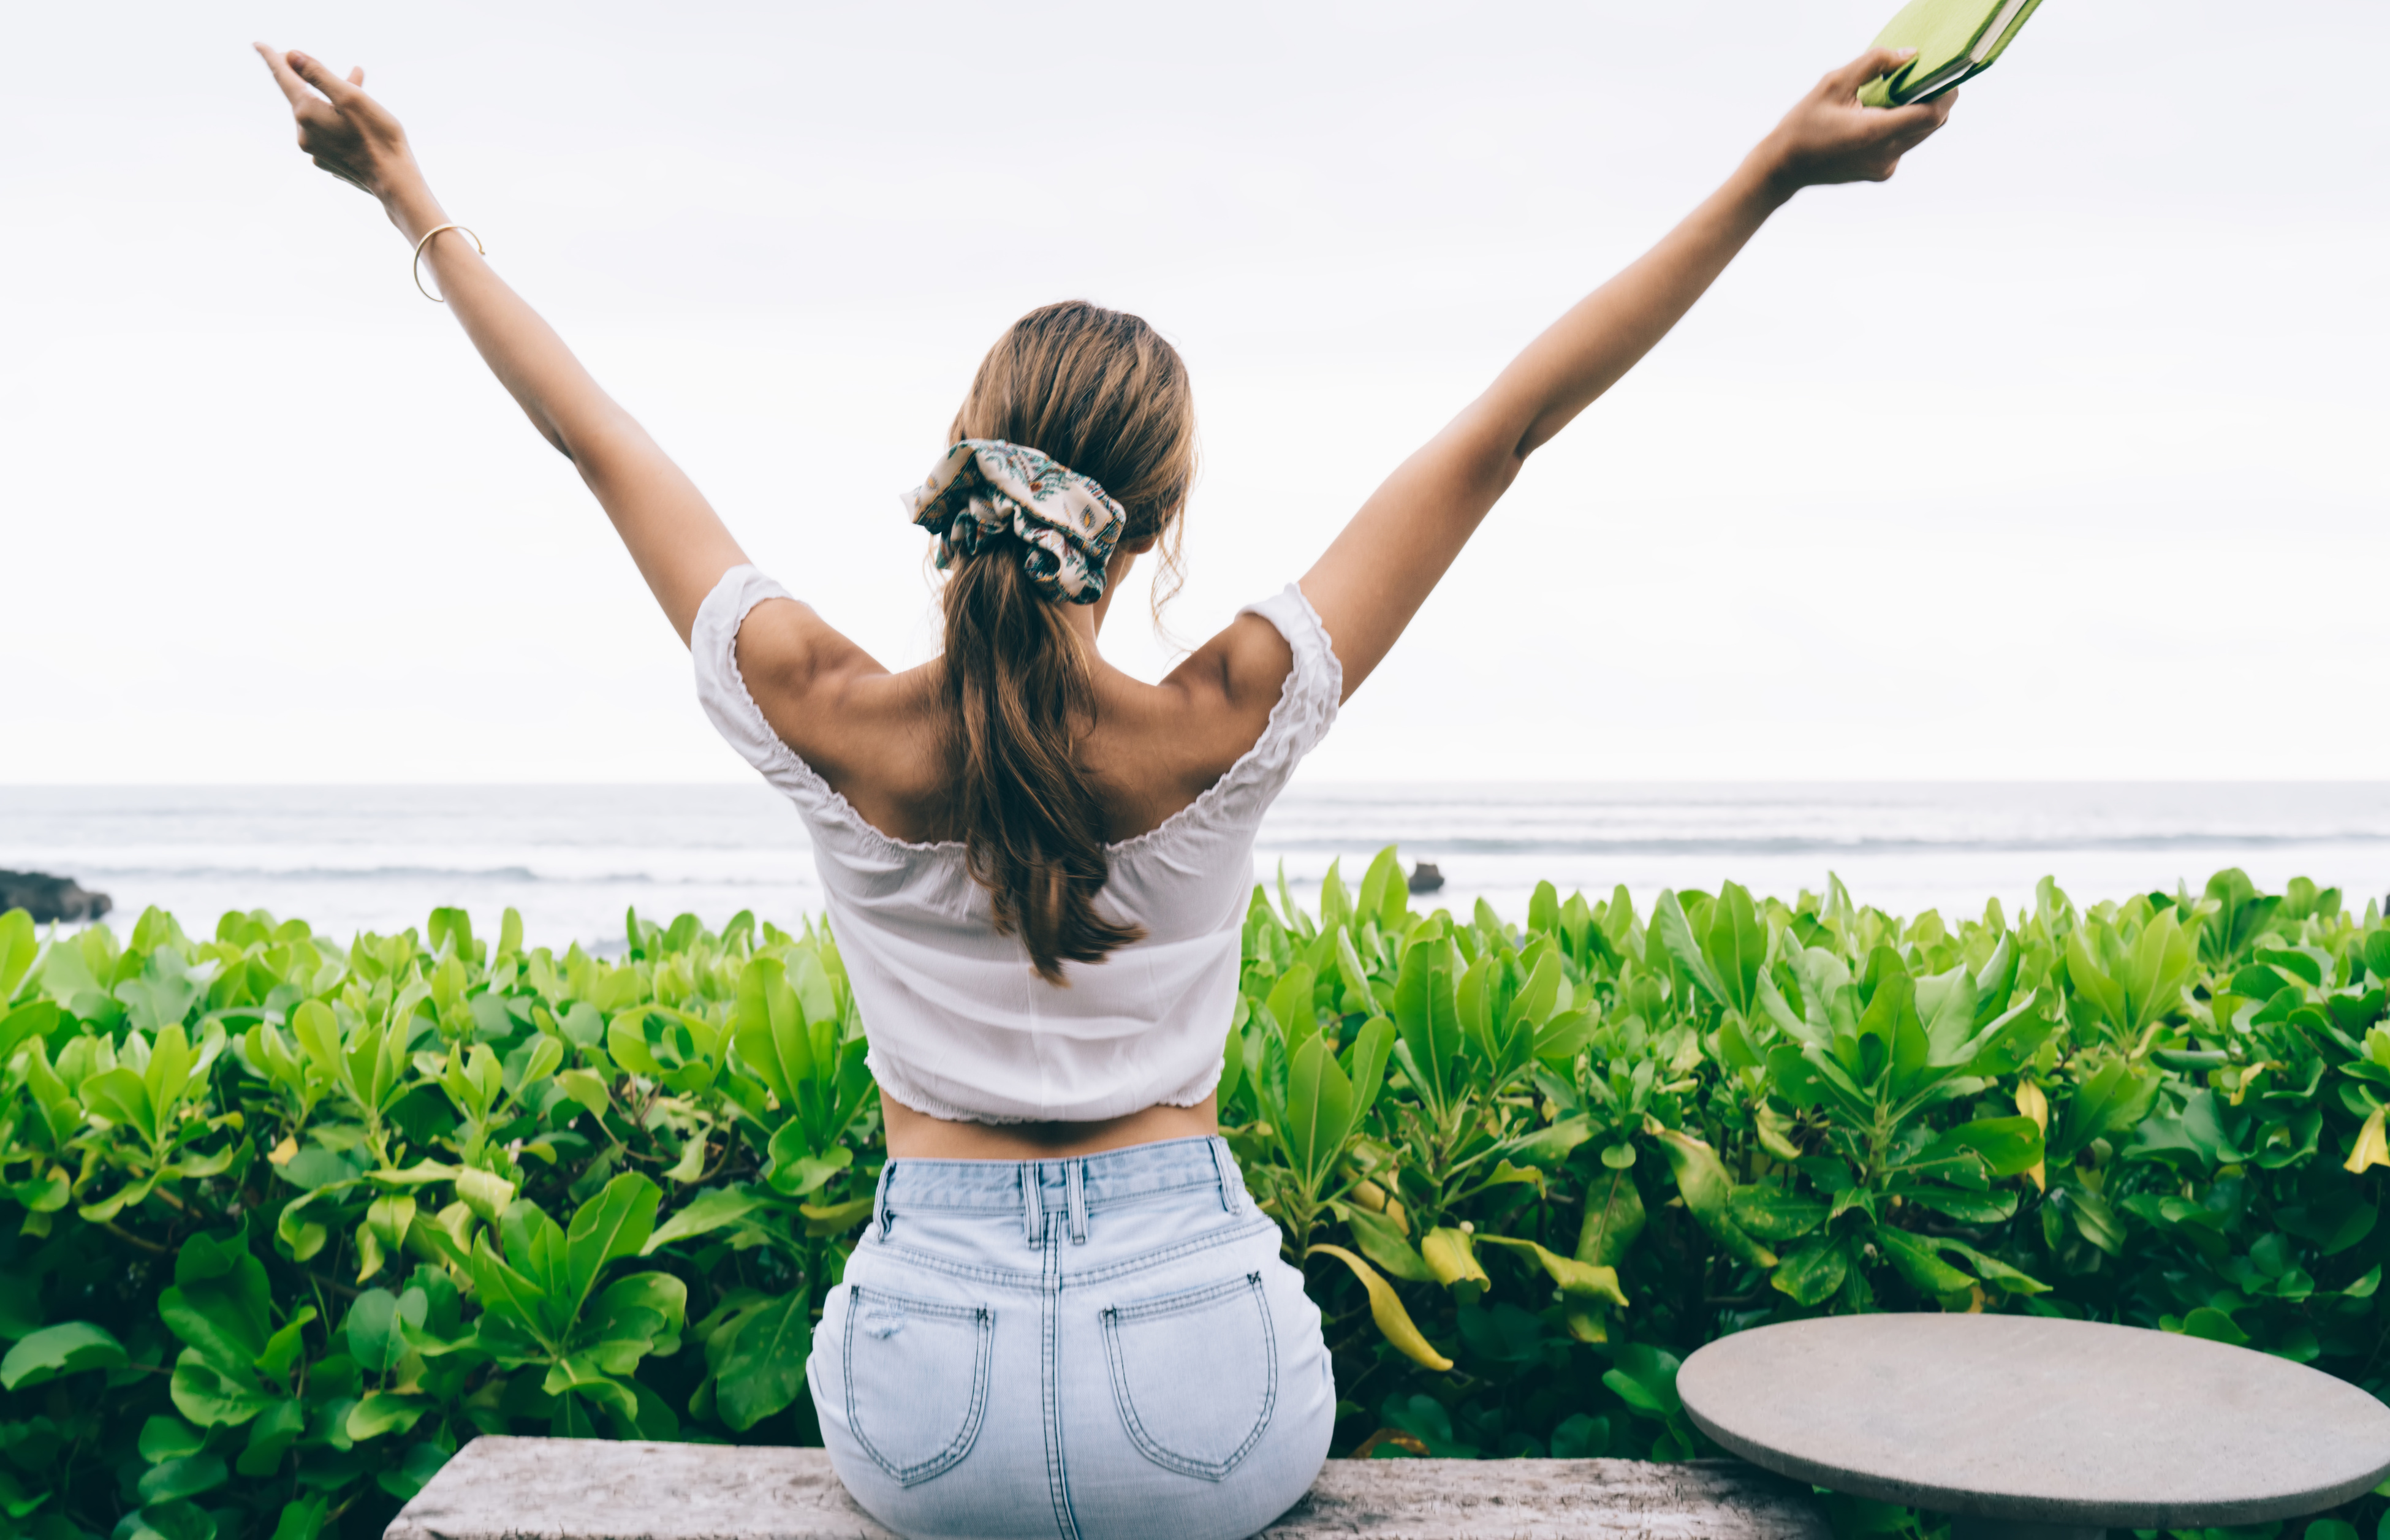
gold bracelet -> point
(418, 266)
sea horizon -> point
(571, 857)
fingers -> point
(291, 85)
(1907, 125)
(341, 92)
(357, 75)
(1846, 81)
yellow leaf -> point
(2034, 1105)
(2372, 1150)
(1386, 1309)
(1449, 1258)
(285, 1152)
(1586, 1326)
(1580, 1278)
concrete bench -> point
(566, 1489)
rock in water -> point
(1425, 878)
(50, 898)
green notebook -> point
(1953, 39)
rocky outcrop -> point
(50, 898)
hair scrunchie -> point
(985, 487)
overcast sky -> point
(2059, 457)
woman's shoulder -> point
(1247, 704)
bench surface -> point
(569, 1489)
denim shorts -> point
(1072, 1350)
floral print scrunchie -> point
(985, 487)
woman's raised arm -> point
(1374, 577)
(680, 544)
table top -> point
(2038, 1420)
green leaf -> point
(1735, 945)
(220, 1303)
(771, 1030)
(793, 1168)
(169, 1438)
(1387, 1246)
(211, 1398)
(282, 1349)
(372, 1331)
(1913, 1258)
(614, 1224)
(120, 1096)
(1319, 1109)
(1646, 1379)
(765, 1371)
(421, 1463)
(2216, 1325)
(270, 1438)
(486, 1193)
(19, 944)
(2007, 1146)
(707, 1211)
(381, 1412)
(1614, 1217)
(1427, 1020)
(1707, 1190)
(1676, 932)
(182, 1478)
(1772, 1214)
(1813, 1271)
(302, 1520)
(177, 1519)
(69, 1348)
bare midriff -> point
(917, 1136)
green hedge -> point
(291, 1220)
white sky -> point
(2059, 457)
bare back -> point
(879, 737)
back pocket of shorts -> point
(1195, 1375)
(916, 1380)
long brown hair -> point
(1103, 393)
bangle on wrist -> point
(417, 267)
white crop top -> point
(961, 1027)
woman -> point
(1066, 1317)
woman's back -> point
(882, 743)
(963, 1028)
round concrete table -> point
(2036, 1429)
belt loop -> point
(1224, 1168)
(880, 1216)
(1032, 1202)
(1075, 1185)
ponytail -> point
(1102, 393)
(1018, 691)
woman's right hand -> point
(344, 131)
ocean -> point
(572, 858)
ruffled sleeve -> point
(722, 690)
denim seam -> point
(1066, 1523)
(965, 1437)
(1013, 1279)
(1098, 1200)
(1210, 1470)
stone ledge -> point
(566, 1489)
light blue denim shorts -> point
(1072, 1350)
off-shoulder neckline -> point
(834, 804)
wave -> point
(1798, 845)
(418, 874)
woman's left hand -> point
(343, 130)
